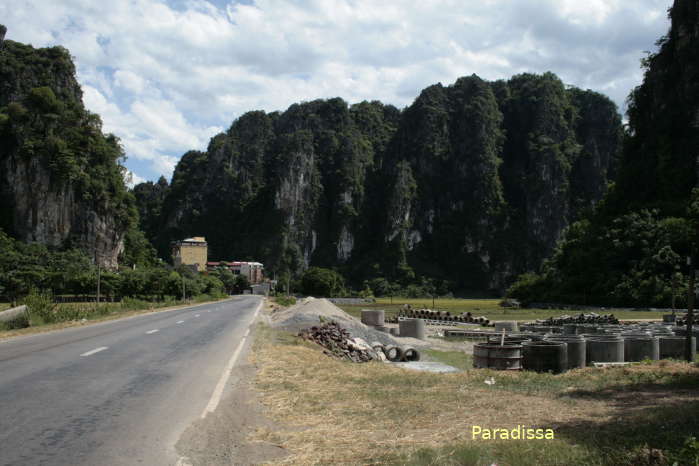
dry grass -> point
(346, 413)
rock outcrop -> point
(60, 179)
(471, 184)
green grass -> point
(285, 300)
(489, 308)
(44, 313)
(514, 452)
(457, 359)
(4, 306)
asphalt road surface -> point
(118, 392)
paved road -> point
(115, 393)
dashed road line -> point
(96, 350)
(180, 321)
(197, 315)
(152, 331)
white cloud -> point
(130, 81)
(133, 179)
(166, 77)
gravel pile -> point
(310, 312)
(336, 342)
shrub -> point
(40, 306)
(318, 281)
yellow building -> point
(190, 251)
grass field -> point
(489, 308)
(4, 306)
(333, 412)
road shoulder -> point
(222, 437)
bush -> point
(528, 288)
(241, 284)
(40, 306)
(321, 282)
(285, 300)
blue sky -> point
(167, 75)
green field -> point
(489, 308)
(4, 306)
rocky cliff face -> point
(631, 250)
(659, 164)
(60, 181)
(471, 184)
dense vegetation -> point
(469, 186)
(632, 249)
(61, 178)
(27, 268)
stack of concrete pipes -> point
(571, 350)
(443, 316)
(413, 328)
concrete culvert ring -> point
(378, 346)
(393, 353)
(410, 354)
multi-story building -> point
(252, 270)
(191, 251)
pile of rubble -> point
(590, 318)
(339, 343)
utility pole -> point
(184, 294)
(690, 312)
(99, 276)
(674, 291)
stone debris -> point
(339, 343)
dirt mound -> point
(310, 312)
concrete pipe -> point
(378, 346)
(640, 347)
(577, 348)
(394, 331)
(373, 317)
(506, 357)
(412, 328)
(13, 313)
(605, 349)
(393, 353)
(673, 347)
(410, 354)
(545, 356)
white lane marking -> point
(96, 350)
(218, 391)
(208, 311)
(151, 331)
(197, 315)
(180, 321)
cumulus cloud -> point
(166, 76)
